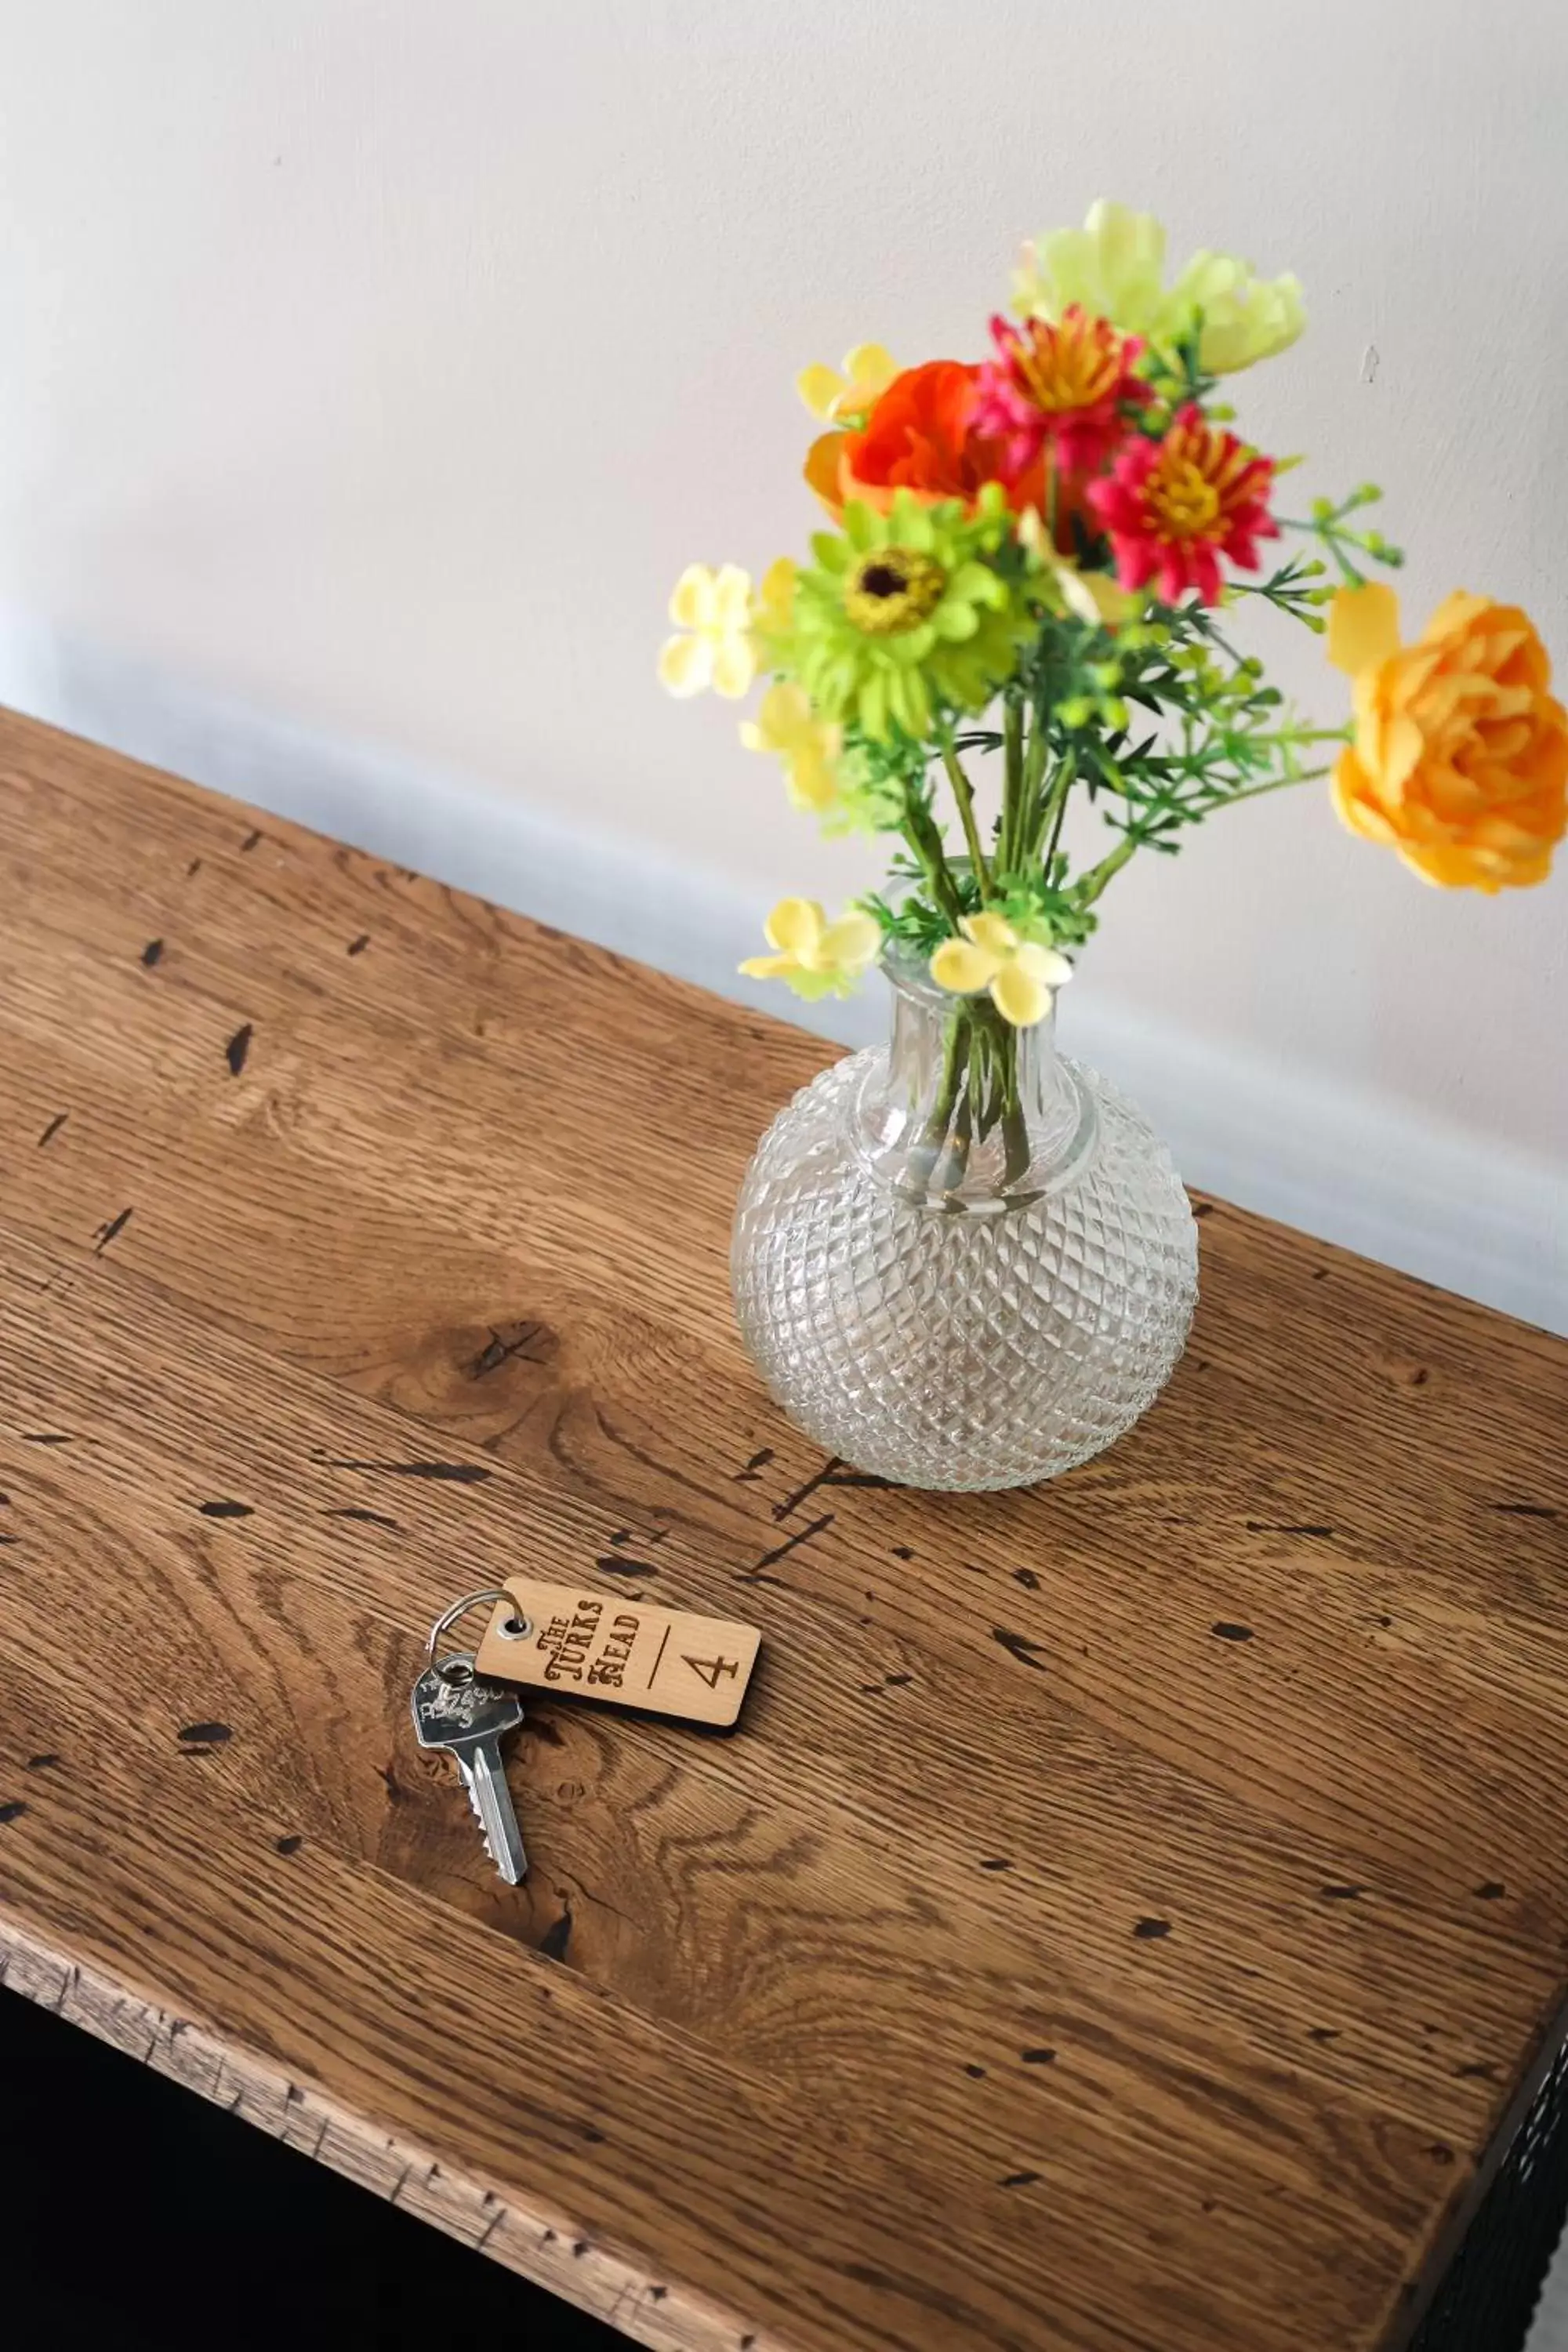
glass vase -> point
(961, 1260)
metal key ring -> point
(516, 1628)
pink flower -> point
(1067, 384)
(1172, 508)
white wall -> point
(369, 367)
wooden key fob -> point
(623, 1652)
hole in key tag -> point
(459, 1670)
(579, 1643)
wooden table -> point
(1129, 1913)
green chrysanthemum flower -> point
(902, 606)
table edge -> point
(540, 2245)
(1414, 2306)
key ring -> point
(515, 1628)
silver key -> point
(455, 1709)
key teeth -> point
(477, 1809)
(478, 1814)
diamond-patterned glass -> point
(947, 1348)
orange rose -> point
(1460, 755)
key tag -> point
(579, 1643)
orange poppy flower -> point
(921, 437)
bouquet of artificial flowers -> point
(1039, 556)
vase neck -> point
(962, 1113)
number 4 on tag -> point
(712, 1668)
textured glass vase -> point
(961, 1260)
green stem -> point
(963, 792)
(1011, 836)
(1053, 808)
(1015, 1138)
(1278, 784)
(1047, 857)
(937, 1134)
(999, 1104)
(954, 1165)
(952, 1060)
(954, 1070)
(921, 832)
(1039, 753)
(1091, 884)
(978, 1095)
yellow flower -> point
(1097, 597)
(716, 607)
(869, 370)
(1019, 974)
(773, 607)
(1245, 317)
(816, 958)
(1114, 267)
(787, 726)
(1460, 759)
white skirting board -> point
(1350, 1167)
(1549, 2332)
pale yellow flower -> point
(773, 607)
(789, 727)
(869, 370)
(1019, 975)
(816, 958)
(1245, 317)
(1097, 597)
(1114, 267)
(716, 608)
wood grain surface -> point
(1128, 1913)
